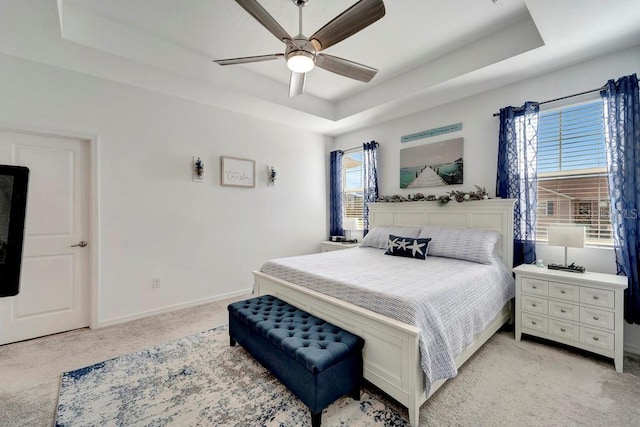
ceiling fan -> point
(303, 53)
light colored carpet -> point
(504, 383)
(536, 383)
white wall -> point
(201, 239)
(480, 132)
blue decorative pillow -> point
(410, 247)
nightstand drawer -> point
(599, 297)
(564, 291)
(535, 305)
(564, 310)
(535, 322)
(564, 330)
(534, 286)
(595, 317)
(603, 340)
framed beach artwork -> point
(236, 172)
(432, 165)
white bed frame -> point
(391, 352)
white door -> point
(54, 285)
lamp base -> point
(570, 268)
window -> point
(353, 183)
(572, 175)
(545, 208)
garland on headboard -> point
(458, 196)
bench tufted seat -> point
(318, 361)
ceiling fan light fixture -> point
(300, 61)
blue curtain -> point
(370, 180)
(335, 194)
(622, 139)
(517, 174)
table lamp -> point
(350, 224)
(569, 236)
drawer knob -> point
(562, 292)
(533, 304)
(596, 297)
(534, 287)
(596, 338)
(596, 318)
(533, 322)
(562, 310)
(563, 330)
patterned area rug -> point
(199, 380)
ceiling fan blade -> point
(248, 59)
(346, 68)
(296, 84)
(262, 16)
(349, 22)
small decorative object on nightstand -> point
(580, 310)
(328, 246)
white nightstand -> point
(328, 246)
(583, 310)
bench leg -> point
(355, 393)
(316, 419)
(232, 342)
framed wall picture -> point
(432, 165)
(236, 172)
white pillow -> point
(378, 237)
(468, 244)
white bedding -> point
(450, 300)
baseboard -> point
(633, 349)
(167, 309)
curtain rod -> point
(357, 147)
(562, 98)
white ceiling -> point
(428, 52)
(411, 33)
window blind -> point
(572, 176)
(353, 185)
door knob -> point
(82, 244)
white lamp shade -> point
(350, 224)
(567, 236)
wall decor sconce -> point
(271, 175)
(198, 169)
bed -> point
(394, 354)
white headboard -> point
(492, 214)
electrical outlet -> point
(155, 282)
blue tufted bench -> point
(316, 360)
